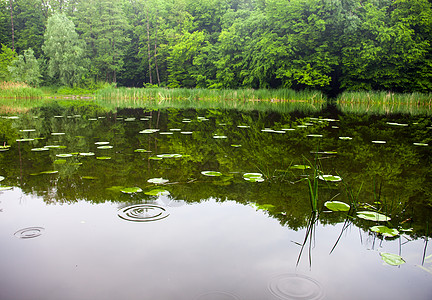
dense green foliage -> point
(331, 45)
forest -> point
(326, 45)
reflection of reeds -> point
(385, 102)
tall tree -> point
(7, 55)
(26, 68)
(64, 50)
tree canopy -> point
(331, 45)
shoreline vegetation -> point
(21, 95)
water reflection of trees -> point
(396, 175)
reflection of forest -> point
(393, 177)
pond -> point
(214, 204)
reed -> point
(385, 102)
(19, 90)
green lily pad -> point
(220, 137)
(60, 161)
(253, 177)
(5, 188)
(27, 130)
(129, 119)
(300, 167)
(64, 155)
(315, 135)
(243, 126)
(385, 231)
(265, 207)
(102, 143)
(331, 178)
(379, 142)
(166, 133)
(149, 131)
(25, 140)
(49, 172)
(1, 178)
(236, 146)
(392, 259)
(86, 154)
(131, 190)
(39, 149)
(169, 155)
(337, 206)
(155, 158)
(372, 216)
(89, 177)
(103, 157)
(345, 138)
(105, 147)
(186, 132)
(157, 192)
(142, 150)
(58, 133)
(420, 144)
(55, 146)
(158, 180)
(211, 173)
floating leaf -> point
(103, 157)
(158, 180)
(157, 192)
(331, 178)
(337, 206)
(86, 154)
(253, 177)
(345, 138)
(102, 143)
(55, 146)
(1, 178)
(49, 172)
(105, 147)
(243, 126)
(60, 161)
(166, 133)
(236, 146)
(39, 149)
(129, 119)
(372, 216)
(220, 137)
(420, 144)
(315, 135)
(379, 142)
(57, 133)
(168, 155)
(64, 155)
(149, 131)
(27, 130)
(265, 207)
(131, 190)
(300, 167)
(5, 188)
(186, 132)
(392, 259)
(25, 140)
(385, 231)
(211, 173)
(142, 150)
(89, 177)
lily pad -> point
(27, 130)
(5, 188)
(220, 137)
(253, 177)
(211, 173)
(60, 161)
(1, 178)
(86, 154)
(142, 150)
(158, 180)
(105, 147)
(372, 216)
(385, 231)
(186, 132)
(392, 259)
(131, 190)
(345, 138)
(58, 133)
(236, 146)
(169, 155)
(102, 143)
(103, 157)
(420, 144)
(157, 192)
(155, 158)
(315, 135)
(49, 172)
(331, 178)
(63, 155)
(149, 131)
(300, 167)
(379, 142)
(39, 149)
(337, 206)
(25, 140)
(89, 177)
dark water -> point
(67, 231)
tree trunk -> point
(155, 55)
(12, 26)
(148, 45)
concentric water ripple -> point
(29, 233)
(143, 213)
(217, 295)
(295, 287)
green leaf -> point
(158, 180)
(337, 206)
(385, 231)
(372, 216)
(157, 192)
(211, 173)
(131, 190)
(331, 178)
(392, 259)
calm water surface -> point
(74, 234)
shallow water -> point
(74, 235)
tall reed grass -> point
(385, 102)
(19, 90)
(245, 99)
